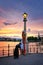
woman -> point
(16, 52)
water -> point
(30, 47)
(4, 45)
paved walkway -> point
(29, 59)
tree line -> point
(33, 39)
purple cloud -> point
(9, 23)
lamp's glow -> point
(25, 15)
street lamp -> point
(24, 32)
(25, 15)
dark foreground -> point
(29, 59)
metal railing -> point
(8, 50)
(34, 48)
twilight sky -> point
(11, 19)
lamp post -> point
(24, 32)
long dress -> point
(16, 52)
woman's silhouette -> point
(16, 51)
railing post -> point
(37, 48)
(13, 51)
(40, 48)
(27, 48)
(8, 49)
(33, 50)
(3, 52)
(30, 49)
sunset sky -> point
(11, 19)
